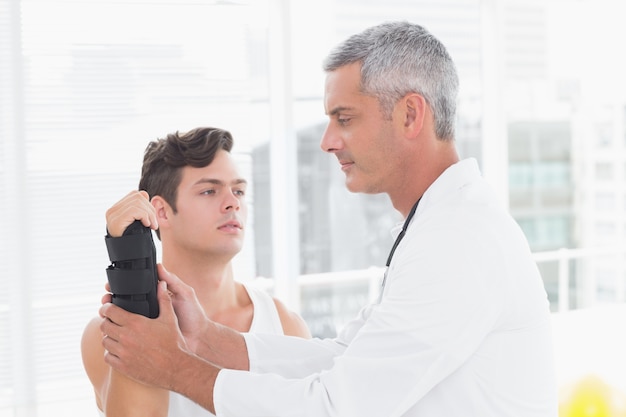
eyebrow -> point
(338, 110)
(215, 181)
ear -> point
(414, 108)
(162, 208)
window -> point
(604, 171)
(82, 92)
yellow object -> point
(590, 396)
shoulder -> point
(270, 311)
(92, 353)
(293, 324)
(91, 347)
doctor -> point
(462, 327)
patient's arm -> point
(115, 394)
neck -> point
(420, 176)
(211, 278)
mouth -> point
(231, 226)
(345, 164)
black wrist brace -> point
(132, 274)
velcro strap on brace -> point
(129, 247)
(129, 282)
(133, 304)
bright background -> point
(84, 85)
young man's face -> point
(358, 134)
(212, 209)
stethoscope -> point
(395, 245)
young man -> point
(195, 198)
(462, 327)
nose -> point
(231, 202)
(331, 141)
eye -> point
(343, 120)
(208, 192)
(240, 193)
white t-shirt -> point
(264, 320)
(463, 328)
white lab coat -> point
(463, 328)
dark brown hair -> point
(164, 159)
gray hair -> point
(398, 58)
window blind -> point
(82, 91)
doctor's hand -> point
(144, 349)
(192, 320)
(189, 313)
